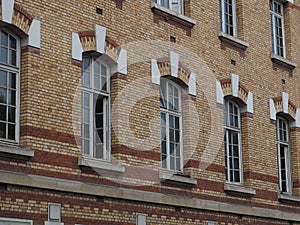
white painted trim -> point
(219, 93)
(100, 33)
(296, 122)
(34, 38)
(144, 218)
(7, 10)
(53, 223)
(3, 219)
(250, 108)
(285, 102)
(77, 48)
(272, 110)
(122, 62)
(155, 73)
(192, 84)
(235, 84)
(174, 62)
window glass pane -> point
(103, 83)
(12, 97)
(3, 112)
(86, 115)
(4, 39)
(3, 95)
(99, 121)
(86, 64)
(86, 147)
(99, 151)
(236, 176)
(11, 114)
(171, 121)
(86, 131)
(164, 161)
(96, 82)
(2, 130)
(3, 55)
(163, 119)
(86, 99)
(177, 150)
(3, 78)
(12, 57)
(177, 123)
(11, 131)
(172, 163)
(12, 42)
(163, 148)
(12, 81)
(96, 67)
(178, 164)
(86, 79)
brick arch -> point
(164, 67)
(96, 40)
(282, 104)
(171, 66)
(23, 23)
(21, 18)
(232, 87)
(88, 42)
(226, 86)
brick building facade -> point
(149, 112)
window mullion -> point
(168, 158)
(279, 166)
(91, 123)
(223, 15)
(234, 18)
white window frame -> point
(167, 113)
(169, 4)
(228, 128)
(92, 115)
(273, 16)
(17, 70)
(223, 20)
(3, 219)
(287, 156)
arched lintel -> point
(171, 66)
(282, 104)
(21, 22)
(233, 87)
(97, 41)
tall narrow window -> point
(228, 17)
(232, 142)
(277, 28)
(170, 117)
(95, 109)
(9, 87)
(283, 148)
(176, 5)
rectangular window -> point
(232, 142)
(277, 28)
(228, 17)
(170, 117)
(95, 109)
(283, 148)
(175, 5)
(9, 87)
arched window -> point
(232, 141)
(284, 155)
(171, 127)
(9, 86)
(95, 108)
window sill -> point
(172, 15)
(99, 164)
(173, 177)
(15, 151)
(288, 198)
(233, 41)
(237, 189)
(283, 61)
